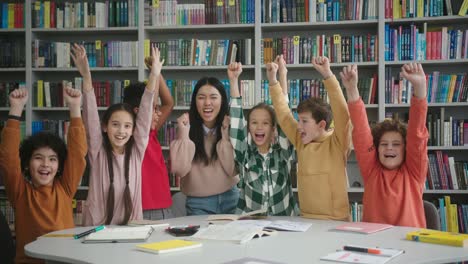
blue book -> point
(443, 223)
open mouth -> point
(259, 136)
(391, 156)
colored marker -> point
(85, 233)
(362, 249)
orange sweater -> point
(44, 209)
(393, 196)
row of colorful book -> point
(415, 42)
(441, 88)
(339, 10)
(50, 94)
(444, 173)
(445, 130)
(424, 8)
(338, 48)
(170, 12)
(84, 14)
(100, 54)
(200, 52)
(12, 53)
(453, 217)
(12, 14)
(181, 90)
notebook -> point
(362, 227)
(120, 234)
(344, 256)
(257, 214)
(168, 246)
(235, 233)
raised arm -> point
(182, 149)
(283, 114)
(417, 135)
(167, 103)
(338, 105)
(362, 136)
(90, 112)
(10, 163)
(77, 147)
(145, 110)
(282, 73)
(225, 150)
(238, 131)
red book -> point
(53, 14)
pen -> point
(97, 228)
(362, 249)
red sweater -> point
(40, 210)
(155, 190)
(393, 196)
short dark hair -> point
(265, 107)
(388, 125)
(40, 140)
(319, 109)
(133, 93)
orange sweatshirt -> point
(393, 196)
(40, 210)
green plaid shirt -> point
(264, 181)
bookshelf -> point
(253, 26)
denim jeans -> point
(157, 214)
(223, 203)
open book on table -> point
(346, 256)
(155, 224)
(362, 227)
(257, 214)
(232, 232)
(120, 234)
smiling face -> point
(309, 129)
(119, 129)
(43, 166)
(261, 128)
(208, 102)
(391, 150)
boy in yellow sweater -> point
(322, 151)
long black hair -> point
(196, 133)
(128, 152)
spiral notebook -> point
(120, 234)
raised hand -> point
(283, 73)
(271, 70)
(349, 78)
(414, 73)
(156, 62)
(80, 59)
(183, 125)
(322, 65)
(225, 127)
(73, 99)
(18, 99)
(234, 70)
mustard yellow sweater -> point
(322, 179)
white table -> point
(287, 247)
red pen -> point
(362, 249)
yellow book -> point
(168, 246)
(40, 93)
(47, 14)
(438, 237)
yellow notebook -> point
(168, 246)
(438, 237)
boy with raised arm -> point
(392, 159)
(322, 151)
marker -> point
(364, 250)
(80, 235)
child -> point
(116, 149)
(155, 190)
(322, 151)
(264, 166)
(393, 160)
(202, 155)
(42, 176)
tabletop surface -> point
(286, 247)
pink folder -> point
(363, 227)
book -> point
(346, 256)
(152, 223)
(438, 237)
(168, 246)
(257, 214)
(235, 233)
(362, 227)
(278, 225)
(120, 234)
